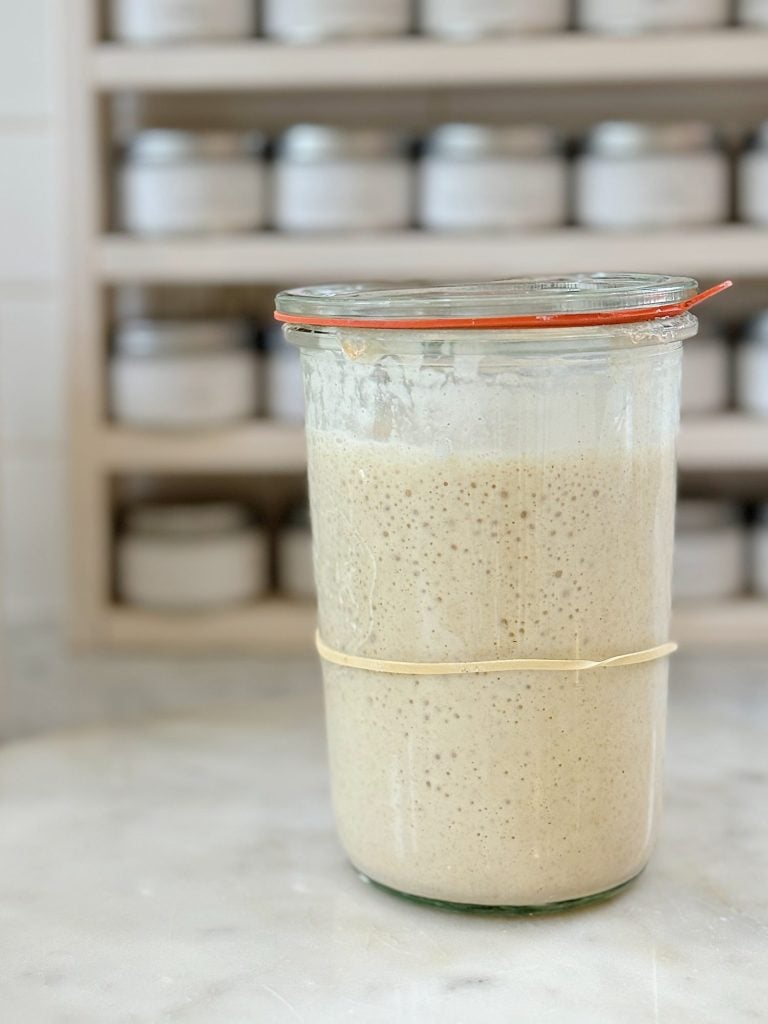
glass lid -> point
(516, 302)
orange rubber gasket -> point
(635, 315)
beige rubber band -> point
(465, 668)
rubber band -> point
(466, 668)
(597, 318)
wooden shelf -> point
(271, 627)
(279, 626)
(565, 58)
(261, 446)
(727, 442)
(722, 624)
(729, 65)
(729, 250)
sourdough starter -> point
(515, 788)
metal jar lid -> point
(141, 338)
(639, 138)
(757, 329)
(472, 141)
(705, 514)
(165, 145)
(311, 143)
(186, 519)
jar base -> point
(510, 910)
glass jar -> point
(341, 179)
(645, 175)
(492, 478)
(191, 557)
(759, 553)
(752, 367)
(706, 375)
(710, 551)
(315, 21)
(478, 19)
(173, 21)
(183, 374)
(180, 182)
(295, 575)
(752, 181)
(486, 177)
(625, 17)
(753, 13)
(283, 382)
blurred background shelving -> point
(569, 80)
(717, 443)
(270, 627)
(258, 447)
(734, 249)
(557, 59)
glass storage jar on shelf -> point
(706, 374)
(295, 574)
(175, 21)
(626, 17)
(478, 19)
(752, 179)
(316, 21)
(188, 182)
(283, 382)
(183, 374)
(759, 552)
(710, 551)
(634, 174)
(492, 483)
(491, 177)
(752, 367)
(753, 13)
(187, 557)
(329, 178)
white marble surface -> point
(45, 685)
(186, 870)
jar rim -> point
(525, 302)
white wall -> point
(32, 337)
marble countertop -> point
(185, 870)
